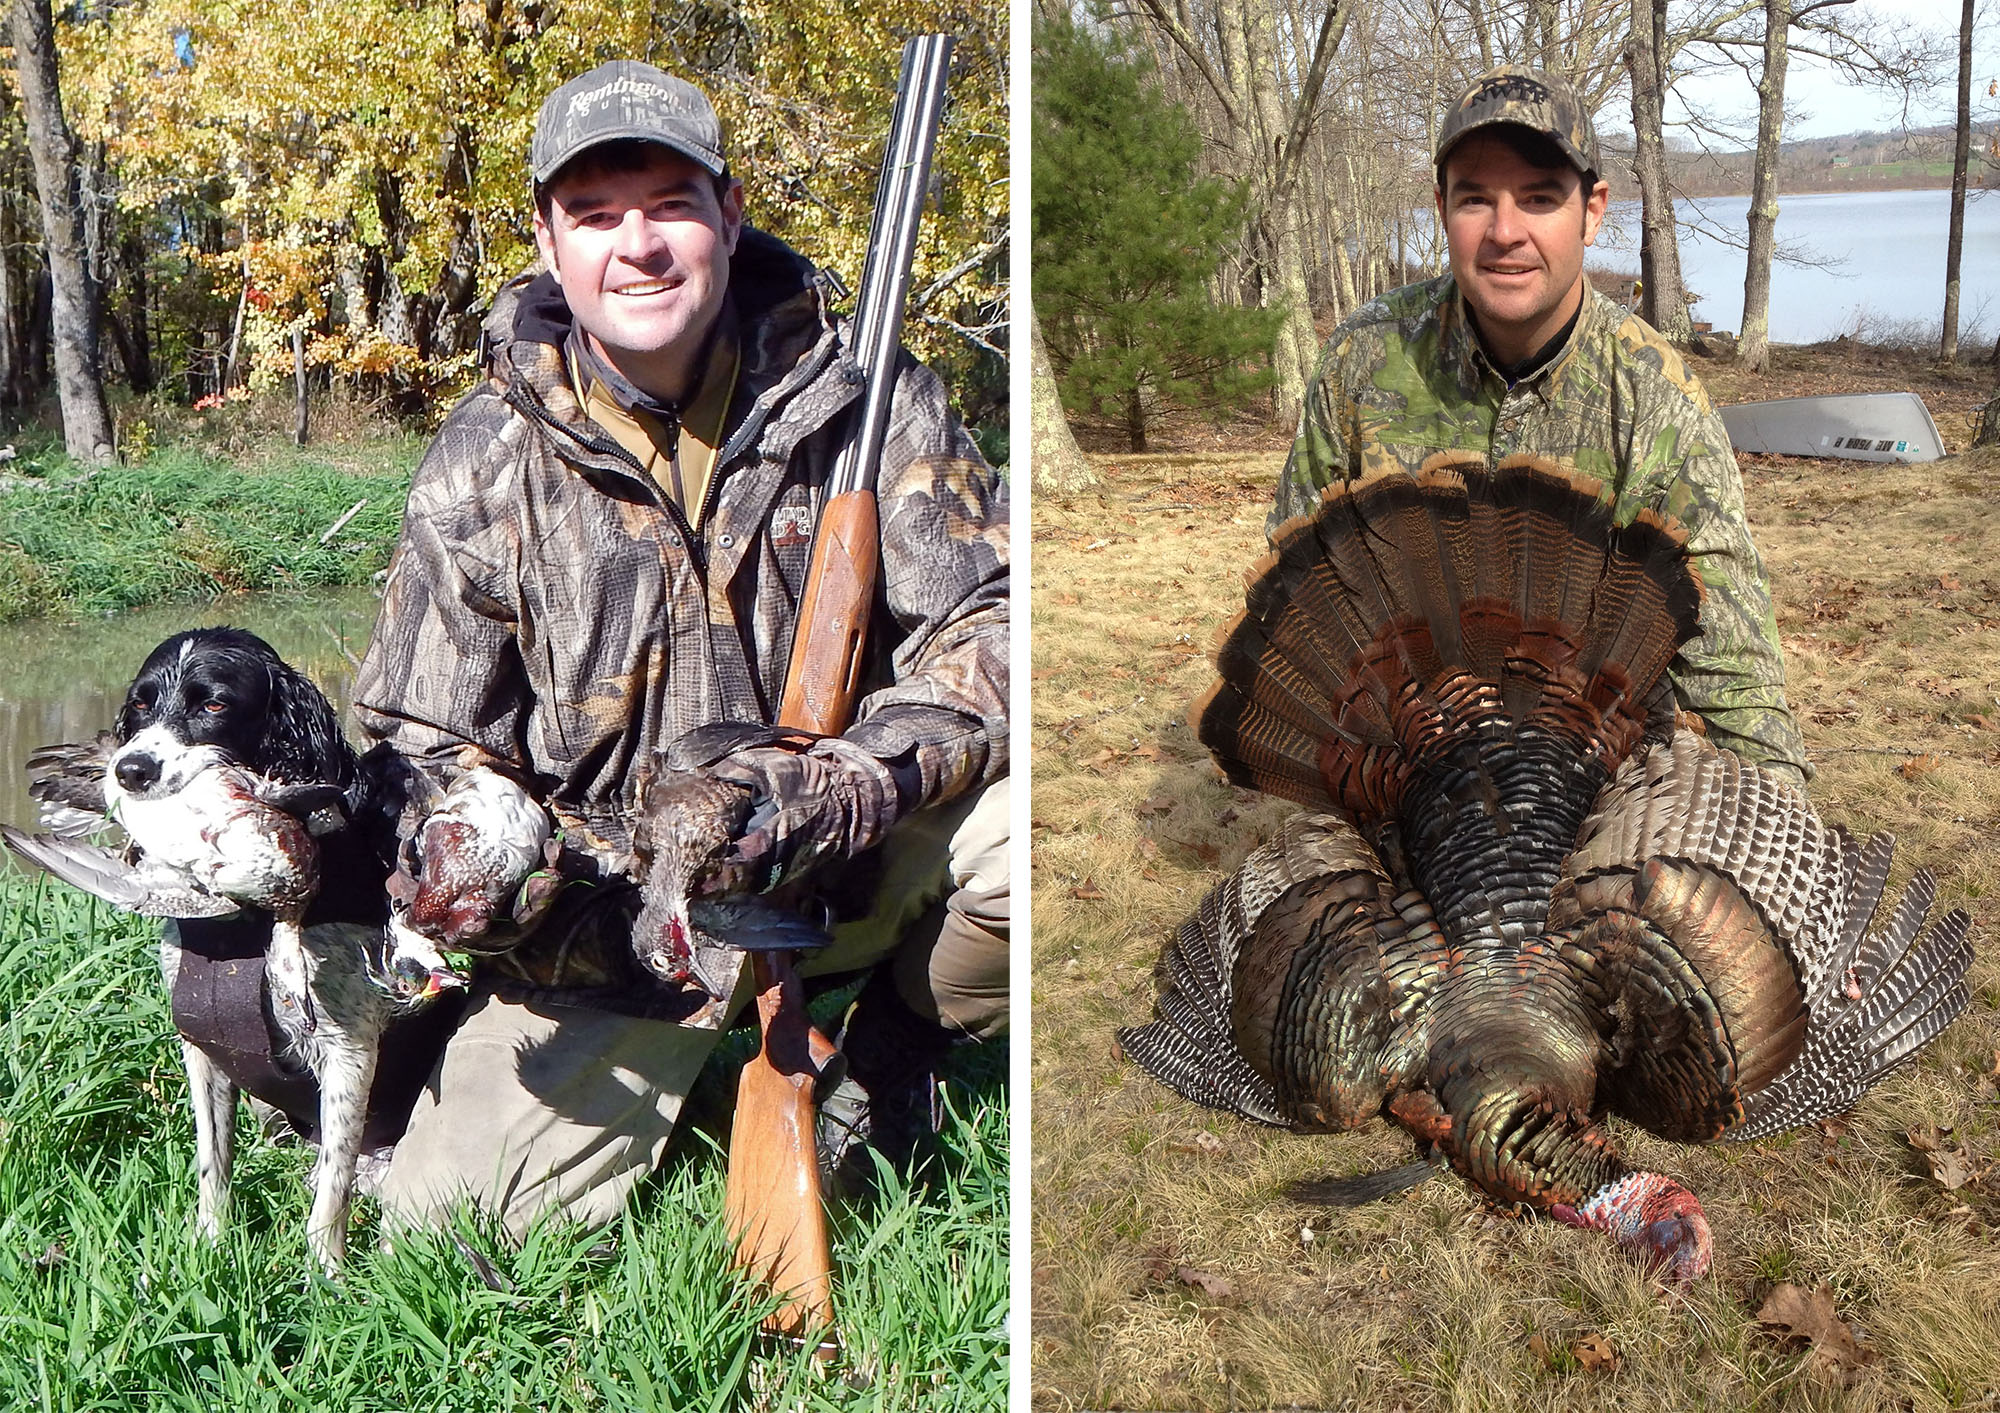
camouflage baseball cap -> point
(621, 99)
(1529, 98)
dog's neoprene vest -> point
(219, 1005)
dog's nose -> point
(137, 772)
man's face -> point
(643, 259)
(1517, 233)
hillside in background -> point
(1867, 161)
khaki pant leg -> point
(944, 898)
(543, 1109)
(956, 971)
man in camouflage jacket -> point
(1514, 352)
(596, 562)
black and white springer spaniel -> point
(228, 772)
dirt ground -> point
(1168, 1269)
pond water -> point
(1885, 272)
(66, 681)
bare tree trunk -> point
(1960, 156)
(73, 305)
(1135, 418)
(1664, 303)
(299, 409)
(1059, 465)
(1753, 346)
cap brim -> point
(1577, 159)
(709, 162)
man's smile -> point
(644, 287)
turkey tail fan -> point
(1190, 1045)
(1887, 996)
(1404, 607)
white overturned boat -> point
(1892, 426)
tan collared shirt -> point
(680, 472)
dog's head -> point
(227, 689)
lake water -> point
(66, 681)
(1888, 249)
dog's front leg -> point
(214, 1099)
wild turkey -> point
(1523, 899)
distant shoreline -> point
(1785, 191)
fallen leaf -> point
(1149, 751)
(1209, 1143)
(1596, 1353)
(1229, 816)
(1792, 1313)
(1158, 804)
(1207, 1282)
(1949, 583)
(1087, 890)
(1539, 1347)
(1917, 765)
(1949, 1169)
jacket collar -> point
(1461, 340)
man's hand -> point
(806, 802)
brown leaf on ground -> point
(1207, 1282)
(1950, 1168)
(1949, 583)
(1539, 1347)
(1597, 1354)
(1793, 1313)
(1158, 804)
(1087, 890)
(1917, 765)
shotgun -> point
(771, 1201)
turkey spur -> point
(1520, 898)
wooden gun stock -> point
(825, 674)
(771, 1203)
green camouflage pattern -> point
(1529, 98)
(1405, 378)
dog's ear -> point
(302, 740)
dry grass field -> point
(1170, 1272)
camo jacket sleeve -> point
(1732, 675)
(945, 590)
(443, 678)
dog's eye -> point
(212, 707)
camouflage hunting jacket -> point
(549, 609)
(1405, 377)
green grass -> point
(189, 524)
(106, 1301)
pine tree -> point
(1128, 234)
